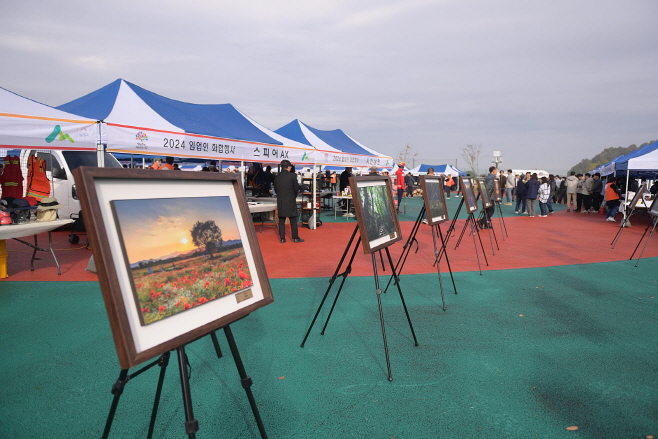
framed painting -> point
(434, 198)
(484, 194)
(498, 194)
(469, 196)
(375, 212)
(176, 253)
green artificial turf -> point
(518, 353)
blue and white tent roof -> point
(334, 147)
(140, 121)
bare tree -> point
(407, 154)
(471, 153)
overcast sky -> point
(546, 82)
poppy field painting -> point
(182, 253)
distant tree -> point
(206, 234)
(604, 157)
(471, 153)
(407, 155)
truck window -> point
(88, 158)
(51, 161)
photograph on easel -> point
(638, 196)
(434, 198)
(177, 258)
(469, 196)
(498, 195)
(375, 212)
(180, 256)
(484, 194)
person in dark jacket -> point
(533, 192)
(521, 192)
(287, 189)
(597, 192)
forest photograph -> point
(467, 188)
(437, 208)
(377, 211)
(486, 200)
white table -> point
(262, 209)
(33, 228)
(347, 213)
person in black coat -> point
(287, 189)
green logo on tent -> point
(306, 157)
(57, 131)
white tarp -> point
(25, 123)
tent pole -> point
(628, 174)
(312, 220)
(100, 156)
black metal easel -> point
(501, 220)
(623, 223)
(407, 249)
(474, 229)
(344, 274)
(484, 217)
(191, 424)
(654, 221)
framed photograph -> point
(498, 195)
(469, 196)
(375, 212)
(638, 196)
(484, 194)
(176, 253)
(434, 197)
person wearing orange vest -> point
(11, 179)
(611, 198)
(169, 165)
(448, 184)
(157, 163)
(38, 185)
(399, 175)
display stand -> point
(407, 248)
(623, 223)
(487, 220)
(501, 220)
(344, 274)
(474, 229)
(191, 424)
(654, 222)
(312, 197)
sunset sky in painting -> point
(154, 228)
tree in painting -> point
(377, 215)
(206, 234)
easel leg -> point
(438, 269)
(407, 247)
(655, 221)
(445, 252)
(404, 305)
(347, 272)
(492, 231)
(381, 315)
(333, 278)
(245, 379)
(191, 424)
(117, 390)
(164, 361)
(471, 221)
(480, 239)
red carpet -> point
(561, 239)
